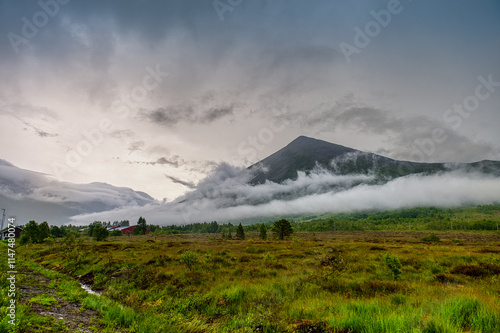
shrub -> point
(70, 238)
(244, 259)
(392, 262)
(444, 278)
(48, 240)
(479, 270)
(430, 238)
(116, 233)
(100, 233)
(43, 300)
(208, 258)
(25, 239)
(333, 264)
(190, 259)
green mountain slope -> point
(304, 154)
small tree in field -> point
(43, 231)
(70, 238)
(240, 233)
(392, 262)
(100, 233)
(263, 232)
(282, 229)
(32, 233)
(141, 227)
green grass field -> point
(322, 282)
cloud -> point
(178, 181)
(93, 55)
(35, 114)
(214, 114)
(226, 196)
(136, 146)
(171, 115)
(121, 134)
(168, 116)
(24, 185)
(175, 161)
(411, 136)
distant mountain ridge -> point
(304, 154)
(30, 195)
(307, 175)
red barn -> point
(130, 230)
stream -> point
(89, 290)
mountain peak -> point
(302, 154)
(305, 142)
(305, 153)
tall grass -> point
(309, 285)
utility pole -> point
(3, 220)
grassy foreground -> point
(324, 282)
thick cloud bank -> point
(226, 196)
(29, 195)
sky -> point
(154, 95)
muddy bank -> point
(73, 317)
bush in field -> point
(25, 239)
(479, 270)
(48, 240)
(98, 231)
(268, 257)
(208, 258)
(333, 264)
(70, 238)
(282, 229)
(430, 238)
(190, 259)
(116, 233)
(392, 262)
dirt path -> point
(74, 318)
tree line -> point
(43, 233)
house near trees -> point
(17, 232)
(127, 230)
